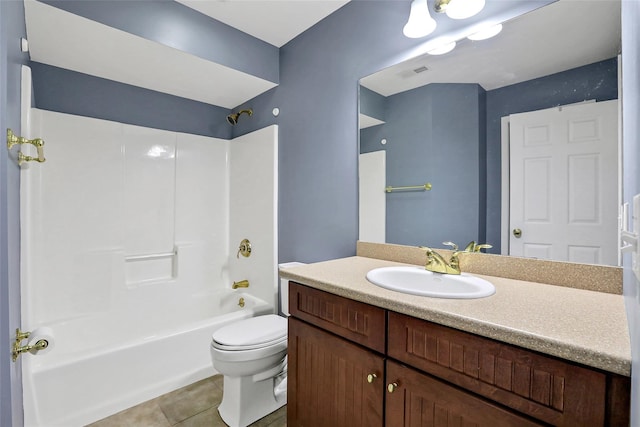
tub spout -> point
(240, 284)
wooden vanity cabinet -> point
(333, 381)
(422, 400)
(327, 378)
(556, 392)
(343, 356)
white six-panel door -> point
(564, 180)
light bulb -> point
(487, 33)
(446, 48)
(420, 23)
(463, 9)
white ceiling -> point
(69, 41)
(558, 37)
(274, 21)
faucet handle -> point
(471, 247)
(453, 245)
(482, 246)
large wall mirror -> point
(511, 141)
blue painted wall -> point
(71, 92)
(12, 28)
(435, 134)
(631, 147)
(318, 157)
(597, 81)
(372, 104)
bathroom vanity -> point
(362, 355)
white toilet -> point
(252, 356)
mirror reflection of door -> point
(564, 183)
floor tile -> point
(274, 419)
(208, 418)
(195, 405)
(190, 400)
(147, 414)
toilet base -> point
(245, 401)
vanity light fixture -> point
(487, 33)
(441, 50)
(420, 23)
(459, 9)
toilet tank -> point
(284, 288)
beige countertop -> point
(583, 326)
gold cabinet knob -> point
(371, 378)
(392, 387)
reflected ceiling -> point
(542, 42)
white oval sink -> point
(418, 281)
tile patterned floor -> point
(195, 405)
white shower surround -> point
(109, 191)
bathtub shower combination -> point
(129, 241)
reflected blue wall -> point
(434, 134)
(372, 104)
(425, 126)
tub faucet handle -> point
(244, 249)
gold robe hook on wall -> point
(13, 139)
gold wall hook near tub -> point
(18, 348)
(13, 139)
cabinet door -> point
(551, 390)
(419, 400)
(328, 382)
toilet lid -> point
(251, 333)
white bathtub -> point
(100, 366)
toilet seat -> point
(219, 346)
(249, 334)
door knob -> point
(517, 232)
(371, 378)
(392, 387)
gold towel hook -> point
(13, 139)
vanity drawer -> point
(548, 389)
(358, 322)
